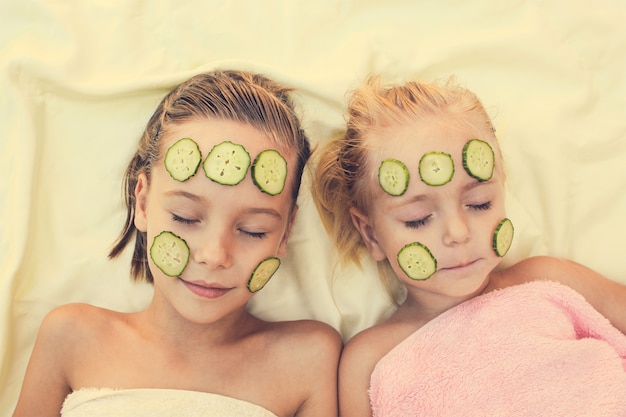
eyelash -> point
(415, 224)
(182, 220)
(481, 207)
(254, 235)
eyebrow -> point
(180, 193)
(249, 211)
(422, 197)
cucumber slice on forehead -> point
(393, 177)
(503, 237)
(269, 172)
(416, 261)
(183, 159)
(169, 253)
(262, 273)
(436, 168)
(478, 159)
(227, 163)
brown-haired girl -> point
(211, 197)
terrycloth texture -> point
(537, 349)
(106, 402)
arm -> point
(324, 347)
(605, 295)
(45, 386)
(355, 368)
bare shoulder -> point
(74, 330)
(74, 321)
(359, 359)
(538, 268)
(366, 348)
(606, 295)
(550, 268)
(304, 356)
(311, 336)
(62, 337)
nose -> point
(456, 230)
(214, 251)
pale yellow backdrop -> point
(79, 78)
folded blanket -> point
(537, 349)
(96, 402)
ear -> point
(141, 197)
(365, 227)
(282, 248)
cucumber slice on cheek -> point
(503, 237)
(227, 163)
(416, 261)
(183, 159)
(262, 273)
(393, 177)
(478, 159)
(169, 253)
(269, 172)
(436, 168)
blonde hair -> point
(239, 96)
(342, 175)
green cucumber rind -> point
(258, 281)
(444, 163)
(167, 238)
(393, 177)
(218, 171)
(189, 167)
(269, 172)
(470, 150)
(428, 263)
(503, 237)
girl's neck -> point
(161, 322)
(422, 306)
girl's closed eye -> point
(414, 224)
(183, 220)
(480, 207)
(255, 235)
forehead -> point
(209, 132)
(410, 140)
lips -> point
(206, 290)
(459, 266)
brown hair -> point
(342, 174)
(233, 95)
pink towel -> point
(537, 349)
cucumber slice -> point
(436, 168)
(478, 159)
(169, 253)
(503, 237)
(269, 172)
(416, 261)
(227, 163)
(393, 177)
(262, 273)
(183, 159)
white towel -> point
(96, 402)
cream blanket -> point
(96, 402)
(537, 349)
(80, 78)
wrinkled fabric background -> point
(79, 79)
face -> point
(229, 229)
(455, 221)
